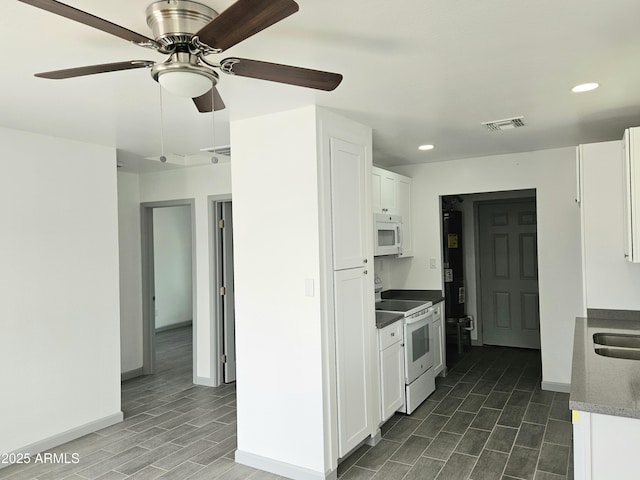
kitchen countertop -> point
(433, 296)
(599, 384)
(384, 319)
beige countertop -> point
(600, 384)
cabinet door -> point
(376, 189)
(353, 357)
(439, 353)
(392, 379)
(348, 204)
(403, 191)
(388, 193)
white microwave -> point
(388, 234)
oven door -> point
(417, 347)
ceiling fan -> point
(188, 32)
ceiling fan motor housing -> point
(174, 22)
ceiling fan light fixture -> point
(185, 83)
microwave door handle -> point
(399, 240)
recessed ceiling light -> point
(585, 87)
(426, 147)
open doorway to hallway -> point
(498, 242)
(168, 253)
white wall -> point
(278, 328)
(197, 183)
(172, 266)
(552, 173)
(611, 282)
(59, 347)
(130, 272)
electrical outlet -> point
(432, 263)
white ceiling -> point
(417, 71)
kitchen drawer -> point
(390, 334)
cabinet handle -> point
(393, 334)
(365, 272)
(364, 261)
(626, 255)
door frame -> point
(215, 280)
(148, 283)
(476, 240)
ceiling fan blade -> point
(303, 77)
(93, 69)
(88, 19)
(203, 102)
(243, 19)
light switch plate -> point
(432, 263)
(309, 287)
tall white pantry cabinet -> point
(347, 154)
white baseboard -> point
(207, 382)
(281, 468)
(556, 387)
(64, 437)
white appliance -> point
(418, 349)
(388, 234)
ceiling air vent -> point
(506, 124)
(224, 150)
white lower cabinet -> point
(391, 346)
(353, 358)
(439, 352)
(605, 446)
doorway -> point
(221, 214)
(508, 268)
(168, 277)
(479, 298)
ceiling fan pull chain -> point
(163, 159)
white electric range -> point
(418, 349)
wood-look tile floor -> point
(487, 420)
(172, 429)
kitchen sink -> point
(625, 353)
(617, 340)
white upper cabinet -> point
(403, 189)
(384, 191)
(631, 157)
(392, 194)
(348, 204)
